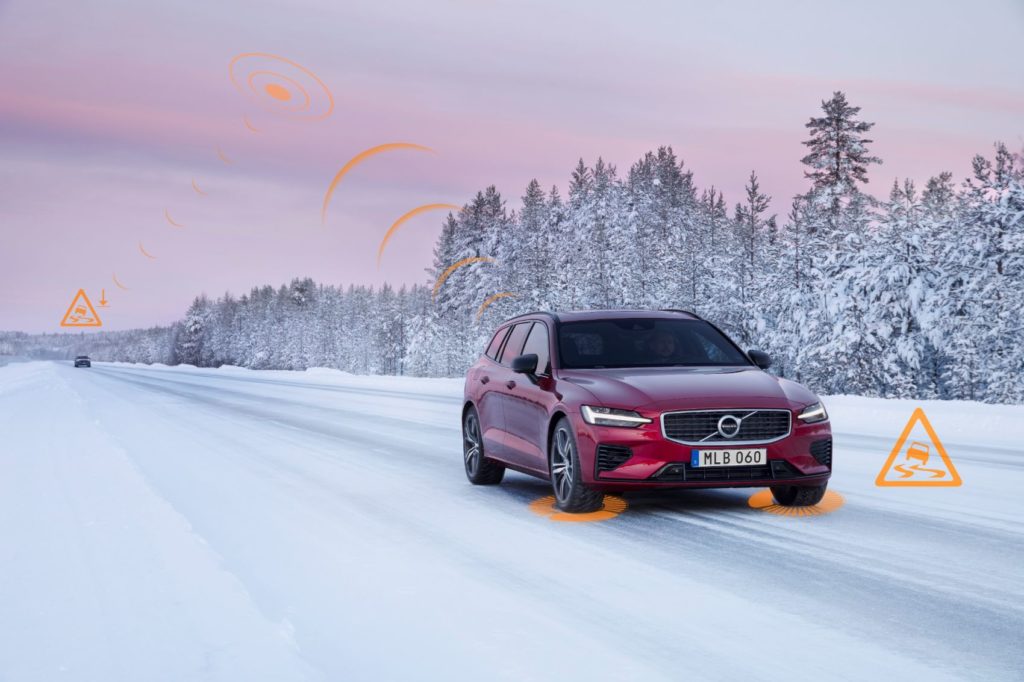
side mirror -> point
(525, 364)
(760, 358)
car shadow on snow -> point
(526, 489)
(694, 500)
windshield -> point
(644, 343)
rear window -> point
(514, 345)
(495, 345)
(644, 343)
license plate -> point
(737, 457)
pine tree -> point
(532, 225)
(553, 296)
(594, 278)
(751, 235)
(188, 347)
(713, 256)
(569, 266)
(838, 160)
(993, 288)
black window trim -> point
(511, 329)
(551, 357)
(501, 346)
(510, 324)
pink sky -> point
(109, 112)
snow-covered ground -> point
(182, 524)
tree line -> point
(915, 295)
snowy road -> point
(182, 524)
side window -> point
(537, 342)
(516, 339)
(495, 345)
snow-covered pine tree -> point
(835, 218)
(556, 238)
(716, 262)
(660, 207)
(532, 264)
(838, 160)
(993, 289)
(188, 346)
(593, 270)
(906, 266)
(488, 217)
(791, 295)
(751, 225)
(578, 217)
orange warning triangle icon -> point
(81, 313)
(918, 462)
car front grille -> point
(700, 427)
(611, 457)
(822, 451)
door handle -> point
(510, 384)
(484, 379)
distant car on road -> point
(83, 361)
(608, 401)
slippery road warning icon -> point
(921, 462)
(81, 313)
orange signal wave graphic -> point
(145, 253)
(196, 188)
(249, 125)
(279, 92)
(300, 67)
(120, 286)
(455, 266)
(764, 501)
(223, 157)
(490, 300)
(411, 214)
(359, 158)
(171, 220)
(611, 507)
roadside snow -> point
(175, 523)
(102, 579)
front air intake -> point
(610, 457)
(821, 450)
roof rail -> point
(534, 312)
(679, 310)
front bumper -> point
(644, 458)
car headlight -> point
(813, 413)
(609, 416)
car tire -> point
(571, 494)
(798, 496)
(479, 469)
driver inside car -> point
(663, 345)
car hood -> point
(671, 388)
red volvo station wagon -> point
(611, 401)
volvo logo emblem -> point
(729, 426)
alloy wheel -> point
(561, 465)
(471, 443)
